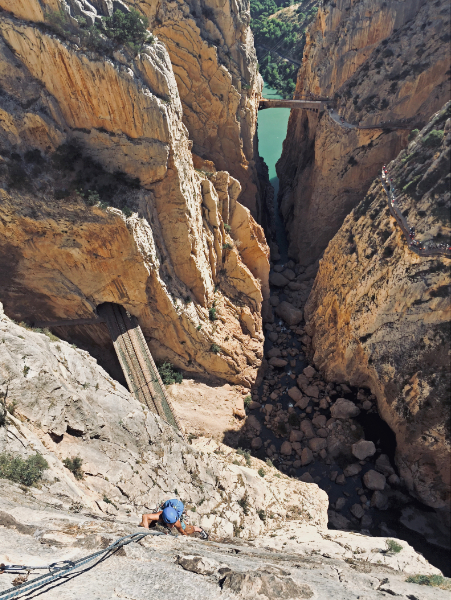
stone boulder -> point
(309, 371)
(278, 280)
(374, 480)
(289, 313)
(363, 449)
(379, 500)
(286, 448)
(307, 428)
(277, 362)
(357, 511)
(198, 564)
(296, 436)
(344, 409)
(256, 443)
(295, 394)
(274, 352)
(319, 421)
(338, 521)
(289, 274)
(306, 456)
(383, 465)
(253, 424)
(352, 470)
(317, 444)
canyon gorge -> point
(311, 326)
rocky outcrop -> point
(378, 313)
(79, 127)
(267, 533)
(379, 62)
(65, 405)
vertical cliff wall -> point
(212, 53)
(100, 200)
(379, 313)
(379, 61)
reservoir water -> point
(272, 130)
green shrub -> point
(247, 401)
(50, 335)
(244, 503)
(393, 546)
(74, 465)
(439, 581)
(246, 455)
(26, 471)
(269, 462)
(92, 198)
(413, 134)
(108, 501)
(127, 212)
(212, 313)
(168, 374)
(227, 228)
(215, 348)
(433, 138)
(261, 472)
(227, 246)
(127, 28)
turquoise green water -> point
(272, 129)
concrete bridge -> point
(138, 366)
(313, 105)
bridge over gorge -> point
(314, 105)
(138, 366)
(319, 104)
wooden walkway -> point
(137, 363)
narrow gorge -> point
(181, 317)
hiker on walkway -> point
(171, 516)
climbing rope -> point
(63, 568)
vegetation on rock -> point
(27, 471)
(168, 374)
(74, 465)
(128, 30)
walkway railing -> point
(402, 222)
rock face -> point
(65, 405)
(112, 127)
(378, 313)
(212, 52)
(379, 62)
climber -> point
(171, 516)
